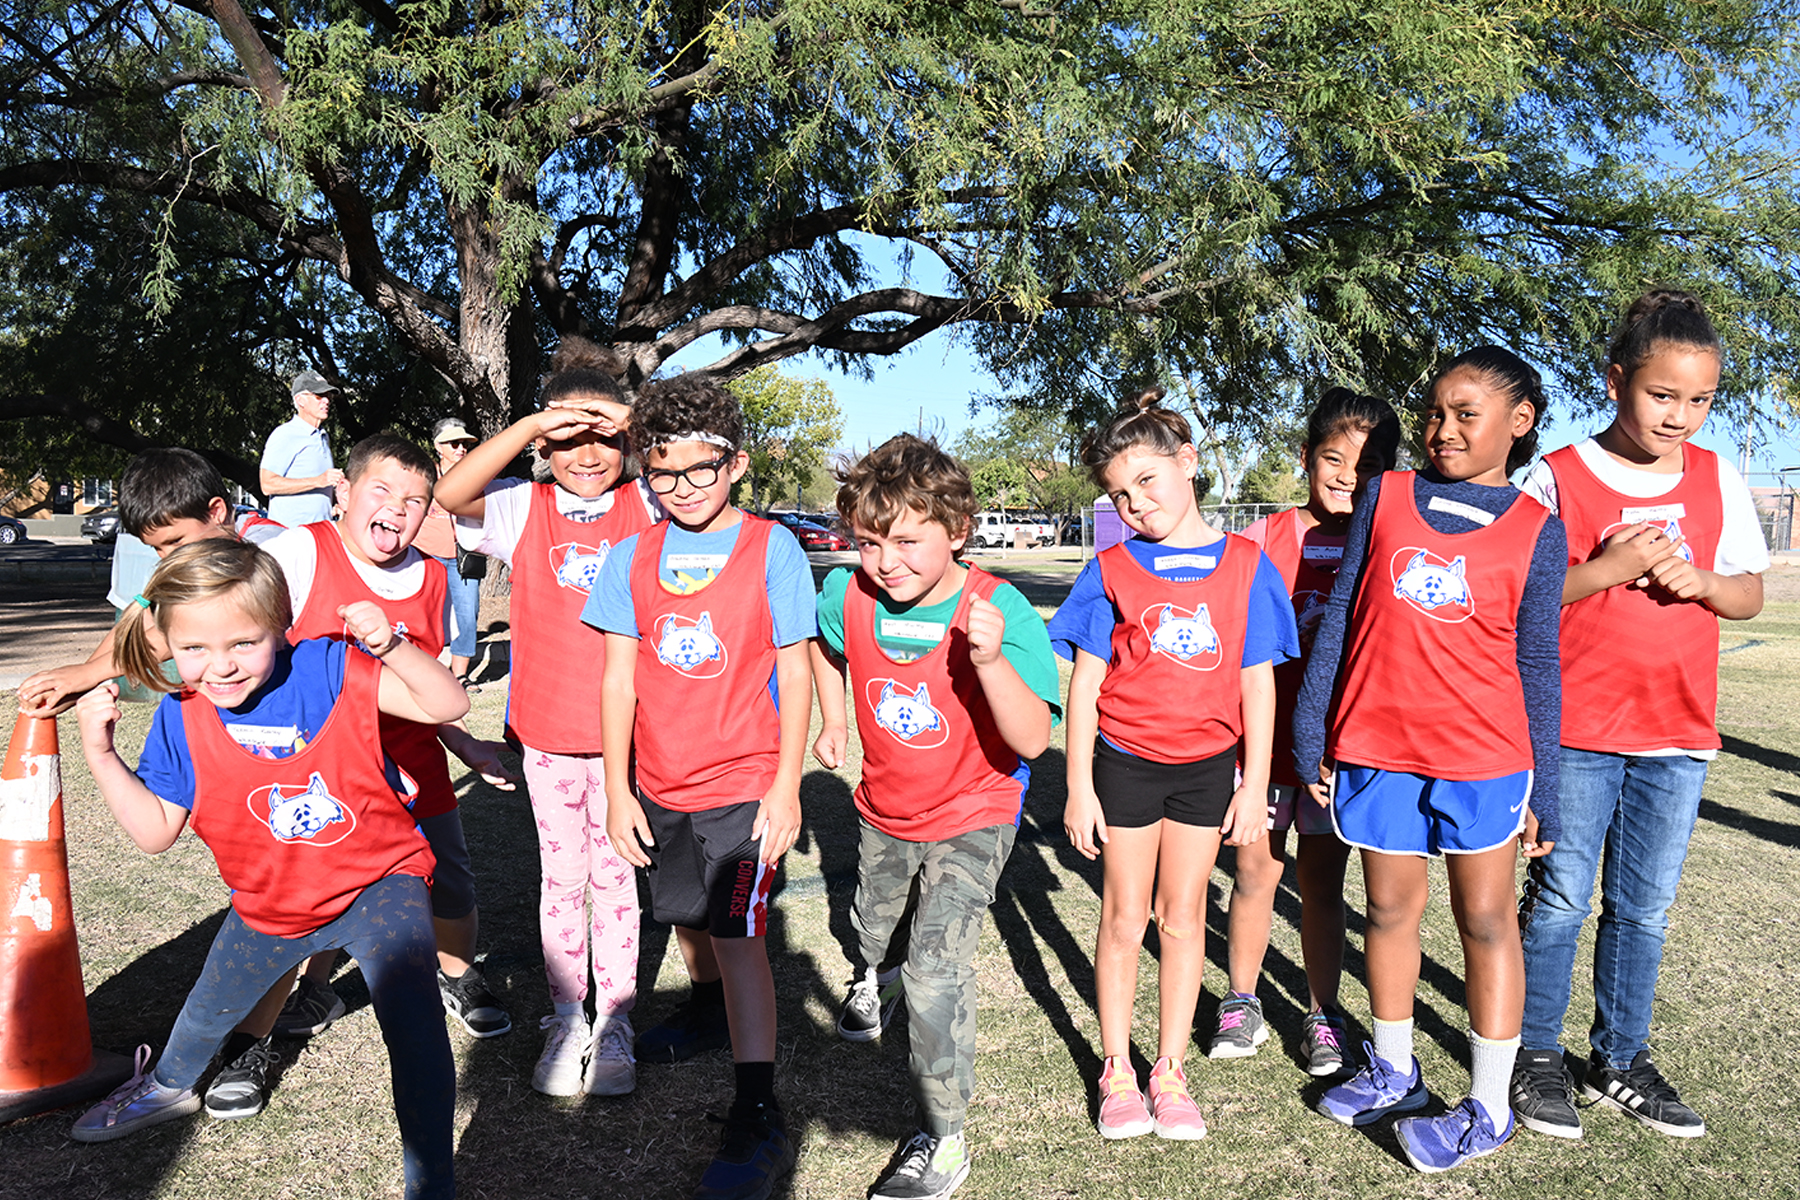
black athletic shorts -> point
(1135, 792)
(706, 871)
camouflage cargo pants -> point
(956, 880)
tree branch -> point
(108, 430)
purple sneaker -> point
(1438, 1143)
(1374, 1092)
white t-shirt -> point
(1741, 551)
(508, 504)
(298, 555)
(133, 562)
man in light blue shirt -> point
(297, 473)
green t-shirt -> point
(909, 631)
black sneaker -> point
(1641, 1091)
(309, 1010)
(241, 1088)
(1543, 1095)
(925, 1168)
(691, 1029)
(474, 1007)
(869, 1006)
(753, 1155)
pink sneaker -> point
(1123, 1113)
(1176, 1114)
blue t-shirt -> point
(1087, 618)
(298, 450)
(690, 561)
(280, 719)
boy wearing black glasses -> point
(708, 692)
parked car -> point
(11, 530)
(101, 526)
(1001, 529)
(811, 534)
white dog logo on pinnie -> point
(1184, 636)
(1434, 587)
(310, 814)
(690, 646)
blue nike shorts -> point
(1394, 812)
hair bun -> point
(1147, 399)
(576, 353)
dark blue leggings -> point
(387, 929)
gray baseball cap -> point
(312, 381)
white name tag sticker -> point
(1653, 512)
(1322, 553)
(266, 737)
(1195, 562)
(1456, 508)
(695, 562)
(912, 631)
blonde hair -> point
(193, 573)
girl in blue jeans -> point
(1663, 541)
(272, 754)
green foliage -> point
(1023, 459)
(1272, 479)
(789, 426)
(1092, 193)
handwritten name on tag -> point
(695, 562)
(1457, 508)
(1653, 512)
(1194, 562)
(912, 631)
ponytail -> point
(1662, 316)
(1141, 421)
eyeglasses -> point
(700, 475)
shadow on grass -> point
(1779, 832)
(1768, 756)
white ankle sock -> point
(1490, 1073)
(1394, 1044)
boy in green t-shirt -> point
(955, 685)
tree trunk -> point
(486, 326)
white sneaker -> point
(611, 1069)
(565, 1045)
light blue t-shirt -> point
(1087, 617)
(689, 562)
(297, 450)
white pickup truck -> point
(995, 529)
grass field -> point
(1725, 1031)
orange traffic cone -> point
(46, 1058)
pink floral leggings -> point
(568, 798)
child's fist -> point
(96, 714)
(829, 748)
(987, 628)
(369, 625)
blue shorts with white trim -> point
(1395, 812)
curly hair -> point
(906, 473)
(1141, 421)
(673, 409)
(581, 368)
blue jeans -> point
(387, 929)
(1632, 818)
(465, 602)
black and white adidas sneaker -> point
(1640, 1091)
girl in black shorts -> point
(1174, 635)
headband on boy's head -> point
(711, 439)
